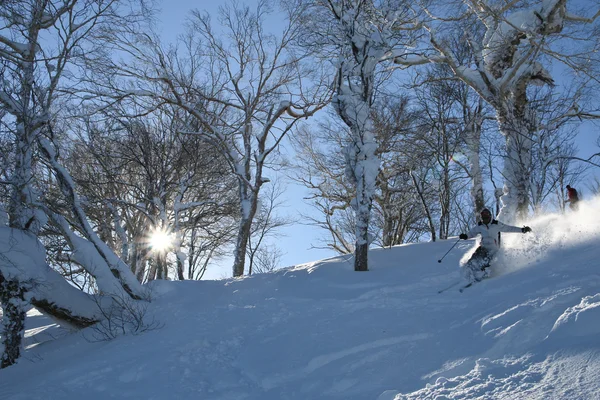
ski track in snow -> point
(324, 360)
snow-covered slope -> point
(322, 331)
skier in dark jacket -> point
(573, 198)
(477, 268)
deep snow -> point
(323, 331)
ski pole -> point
(440, 260)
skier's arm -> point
(509, 228)
(474, 231)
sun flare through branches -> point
(160, 240)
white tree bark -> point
(364, 36)
(38, 40)
(518, 132)
(473, 127)
(507, 63)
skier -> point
(573, 198)
(477, 268)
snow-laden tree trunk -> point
(14, 307)
(363, 34)
(248, 208)
(26, 278)
(22, 216)
(517, 131)
(353, 104)
(364, 168)
(21, 209)
(473, 126)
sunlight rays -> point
(160, 240)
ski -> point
(468, 285)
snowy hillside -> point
(322, 331)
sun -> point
(160, 240)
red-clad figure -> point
(573, 198)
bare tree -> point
(267, 259)
(254, 93)
(396, 213)
(553, 151)
(319, 166)
(145, 182)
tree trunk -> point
(153, 272)
(388, 229)
(62, 314)
(241, 247)
(473, 144)
(517, 165)
(362, 155)
(363, 215)
(160, 266)
(13, 320)
(361, 257)
(40, 284)
(248, 206)
(180, 269)
(21, 217)
(391, 221)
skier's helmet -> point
(486, 216)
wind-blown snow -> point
(323, 331)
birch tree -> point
(509, 58)
(39, 41)
(320, 166)
(359, 33)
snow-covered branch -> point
(410, 59)
(116, 267)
